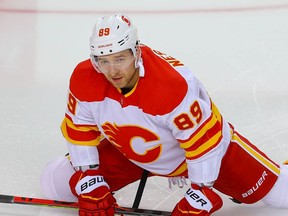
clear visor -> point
(106, 64)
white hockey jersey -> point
(164, 123)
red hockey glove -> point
(200, 201)
(94, 195)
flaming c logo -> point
(123, 136)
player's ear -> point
(138, 52)
(137, 55)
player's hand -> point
(200, 201)
(94, 195)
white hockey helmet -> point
(112, 34)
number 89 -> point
(104, 32)
(184, 121)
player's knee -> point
(54, 180)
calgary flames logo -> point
(128, 138)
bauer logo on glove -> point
(88, 184)
(197, 199)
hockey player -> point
(131, 108)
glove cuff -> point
(90, 183)
(85, 182)
(198, 200)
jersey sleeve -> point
(196, 122)
(78, 126)
(198, 126)
(207, 133)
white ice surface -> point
(239, 49)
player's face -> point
(119, 69)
